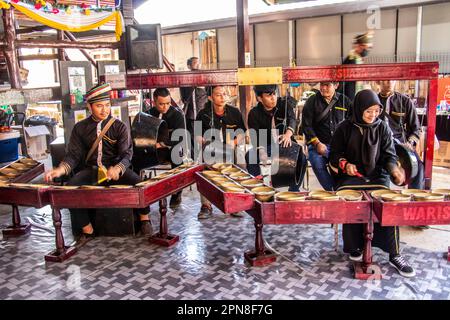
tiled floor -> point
(207, 263)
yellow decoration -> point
(4, 5)
(68, 10)
(44, 19)
(257, 76)
(87, 12)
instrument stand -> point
(448, 254)
(16, 229)
(62, 252)
(163, 238)
(366, 270)
(261, 256)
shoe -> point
(175, 200)
(146, 228)
(83, 239)
(402, 266)
(422, 227)
(238, 215)
(205, 212)
(356, 255)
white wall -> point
(227, 47)
(384, 38)
(178, 48)
(272, 44)
(319, 41)
(407, 34)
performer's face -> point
(371, 114)
(268, 100)
(327, 89)
(218, 97)
(162, 104)
(101, 109)
(387, 86)
(194, 64)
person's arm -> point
(307, 122)
(388, 157)
(253, 124)
(412, 122)
(124, 149)
(338, 148)
(74, 155)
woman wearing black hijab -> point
(364, 146)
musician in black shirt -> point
(109, 159)
(174, 118)
(321, 115)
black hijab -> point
(371, 138)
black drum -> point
(408, 161)
(291, 166)
(146, 131)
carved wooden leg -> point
(366, 270)
(163, 238)
(16, 229)
(62, 252)
(448, 254)
(260, 256)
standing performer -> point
(321, 115)
(217, 114)
(99, 152)
(362, 44)
(175, 121)
(364, 145)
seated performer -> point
(321, 115)
(175, 120)
(401, 115)
(270, 113)
(93, 159)
(228, 122)
(364, 145)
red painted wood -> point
(29, 175)
(170, 185)
(62, 252)
(431, 129)
(414, 213)
(95, 198)
(227, 202)
(369, 72)
(260, 260)
(181, 79)
(16, 228)
(163, 238)
(372, 272)
(448, 254)
(314, 211)
(24, 197)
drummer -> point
(174, 118)
(219, 115)
(270, 113)
(364, 145)
(401, 115)
(89, 162)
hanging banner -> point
(68, 17)
(443, 98)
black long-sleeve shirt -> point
(174, 119)
(346, 144)
(261, 119)
(117, 148)
(325, 128)
(230, 120)
(401, 116)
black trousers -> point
(88, 176)
(385, 238)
